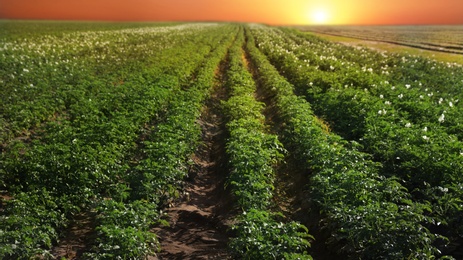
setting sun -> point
(319, 16)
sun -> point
(319, 16)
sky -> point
(276, 12)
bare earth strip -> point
(200, 221)
(78, 237)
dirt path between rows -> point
(200, 221)
(78, 237)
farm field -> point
(224, 141)
(394, 48)
(443, 38)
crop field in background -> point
(442, 38)
(228, 141)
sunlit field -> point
(447, 38)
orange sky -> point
(263, 11)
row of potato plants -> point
(78, 160)
(362, 214)
(253, 154)
(154, 180)
(420, 150)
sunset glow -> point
(261, 11)
(320, 16)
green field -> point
(270, 142)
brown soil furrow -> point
(78, 237)
(199, 222)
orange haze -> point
(262, 11)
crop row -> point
(79, 161)
(362, 213)
(253, 153)
(401, 131)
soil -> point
(4, 198)
(80, 234)
(199, 223)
